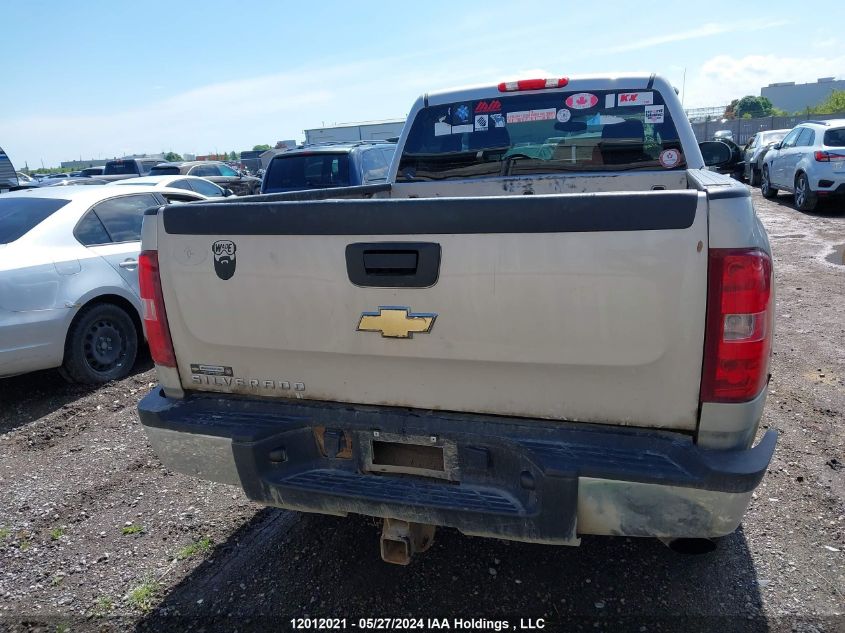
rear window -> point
(120, 168)
(18, 216)
(165, 170)
(541, 133)
(835, 138)
(307, 171)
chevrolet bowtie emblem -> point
(395, 322)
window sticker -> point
(442, 128)
(461, 129)
(609, 101)
(670, 158)
(654, 114)
(462, 114)
(482, 123)
(526, 116)
(563, 115)
(498, 120)
(581, 101)
(636, 98)
(488, 106)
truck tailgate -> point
(587, 307)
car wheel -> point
(754, 181)
(805, 199)
(101, 345)
(766, 186)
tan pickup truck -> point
(552, 321)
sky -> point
(101, 79)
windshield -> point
(541, 133)
(164, 170)
(120, 168)
(772, 137)
(307, 171)
(18, 216)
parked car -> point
(734, 166)
(721, 135)
(24, 179)
(69, 293)
(71, 181)
(121, 168)
(56, 175)
(329, 165)
(93, 171)
(217, 172)
(809, 162)
(755, 151)
(592, 359)
(189, 183)
(8, 175)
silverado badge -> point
(396, 322)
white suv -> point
(809, 162)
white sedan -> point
(69, 294)
(188, 183)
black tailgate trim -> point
(563, 213)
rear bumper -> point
(511, 478)
(831, 186)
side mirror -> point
(715, 153)
(777, 145)
(227, 193)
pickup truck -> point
(551, 321)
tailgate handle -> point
(382, 262)
(393, 264)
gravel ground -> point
(96, 535)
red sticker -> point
(581, 101)
(670, 158)
(488, 106)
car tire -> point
(805, 199)
(101, 345)
(766, 186)
(755, 179)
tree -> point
(172, 157)
(755, 106)
(834, 103)
(233, 155)
(730, 111)
(256, 148)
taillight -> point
(155, 317)
(826, 157)
(532, 84)
(738, 335)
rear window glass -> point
(120, 168)
(307, 171)
(540, 133)
(166, 170)
(835, 138)
(18, 216)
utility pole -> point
(684, 88)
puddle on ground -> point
(838, 255)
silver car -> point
(809, 162)
(754, 153)
(69, 294)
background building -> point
(793, 97)
(364, 131)
(82, 164)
